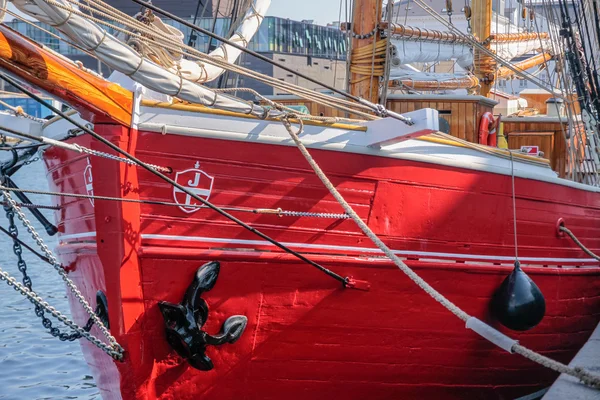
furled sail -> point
(426, 81)
(408, 52)
(510, 50)
(125, 59)
(246, 28)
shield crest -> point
(196, 181)
(89, 181)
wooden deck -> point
(569, 388)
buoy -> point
(487, 129)
(518, 303)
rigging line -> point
(192, 38)
(77, 148)
(374, 107)
(22, 243)
(312, 95)
(514, 203)
(483, 49)
(491, 334)
(54, 35)
(120, 17)
(592, 77)
(214, 24)
(272, 211)
(335, 67)
(345, 281)
(564, 82)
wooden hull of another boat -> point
(307, 337)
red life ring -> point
(487, 130)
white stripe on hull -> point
(64, 239)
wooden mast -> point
(484, 64)
(367, 15)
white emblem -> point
(89, 181)
(195, 181)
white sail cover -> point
(243, 34)
(510, 50)
(201, 72)
(411, 51)
(403, 74)
(126, 60)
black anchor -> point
(184, 321)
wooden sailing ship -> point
(205, 308)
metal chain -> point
(35, 299)
(22, 266)
(116, 349)
(365, 35)
(31, 205)
(97, 153)
(31, 161)
(315, 215)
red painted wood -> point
(307, 337)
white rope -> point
(583, 375)
(514, 203)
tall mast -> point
(366, 17)
(484, 65)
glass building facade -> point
(275, 35)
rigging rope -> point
(346, 281)
(583, 375)
(149, 35)
(145, 33)
(483, 49)
(275, 211)
(80, 149)
(578, 242)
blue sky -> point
(322, 11)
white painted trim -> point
(66, 238)
(422, 254)
(361, 249)
(184, 123)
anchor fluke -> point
(184, 321)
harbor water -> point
(33, 364)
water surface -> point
(33, 364)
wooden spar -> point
(531, 62)
(410, 32)
(483, 63)
(89, 94)
(367, 14)
(517, 37)
(467, 82)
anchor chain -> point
(22, 266)
(113, 349)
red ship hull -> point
(307, 336)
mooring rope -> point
(483, 329)
(578, 242)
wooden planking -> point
(554, 148)
(89, 94)
(463, 116)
